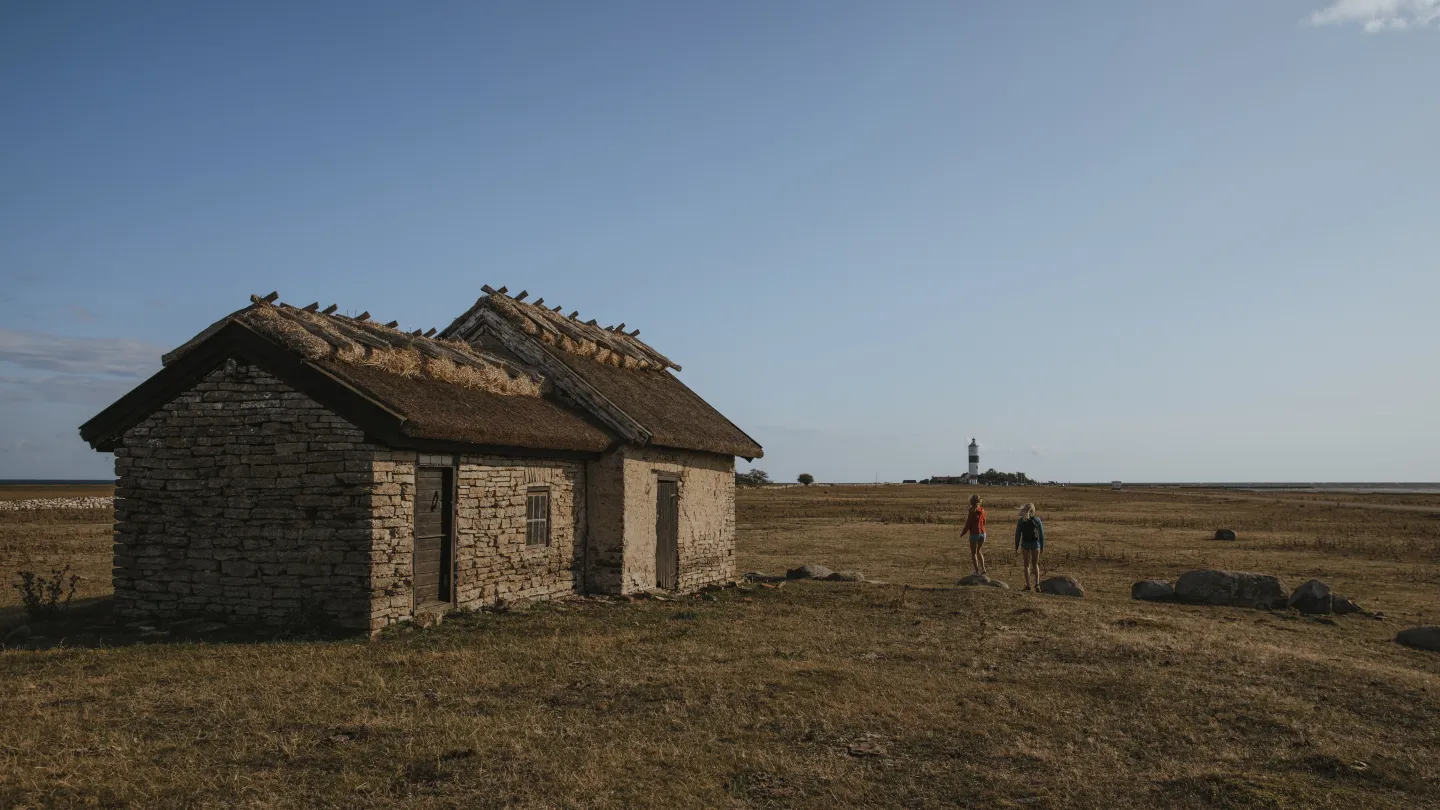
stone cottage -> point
(293, 463)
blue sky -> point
(1111, 239)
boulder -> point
(1421, 638)
(1063, 586)
(757, 576)
(846, 576)
(1313, 597)
(981, 579)
(1209, 586)
(1224, 534)
(1152, 590)
(809, 571)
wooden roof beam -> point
(312, 307)
(520, 296)
(330, 310)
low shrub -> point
(45, 597)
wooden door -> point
(432, 535)
(667, 535)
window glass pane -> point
(537, 518)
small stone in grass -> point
(981, 579)
(1426, 637)
(1152, 590)
(1063, 586)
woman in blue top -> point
(1030, 541)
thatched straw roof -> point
(610, 345)
(507, 374)
(608, 365)
(405, 389)
(359, 341)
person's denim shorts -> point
(977, 538)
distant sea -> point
(1392, 487)
(65, 481)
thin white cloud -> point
(75, 355)
(81, 389)
(1379, 15)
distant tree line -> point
(991, 476)
(753, 478)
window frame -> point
(533, 520)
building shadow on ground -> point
(91, 623)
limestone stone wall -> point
(492, 560)
(605, 508)
(243, 500)
(622, 521)
(392, 538)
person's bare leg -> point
(974, 560)
(1036, 560)
(980, 555)
(1025, 564)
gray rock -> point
(1313, 597)
(756, 576)
(846, 576)
(1208, 586)
(1063, 586)
(1224, 534)
(981, 579)
(809, 571)
(1344, 605)
(1152, 590)
(1426, 637)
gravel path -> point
(31, 504)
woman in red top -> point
(975, 526)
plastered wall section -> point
(623, 510)
(492, 560)
(245, 501)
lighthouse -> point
(974, 461)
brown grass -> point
(913, 694)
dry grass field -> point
(907, 694)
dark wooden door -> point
(432, 535)
(667, 535)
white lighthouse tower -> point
(974, 461)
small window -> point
(537, 517)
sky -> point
(1116, 239)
